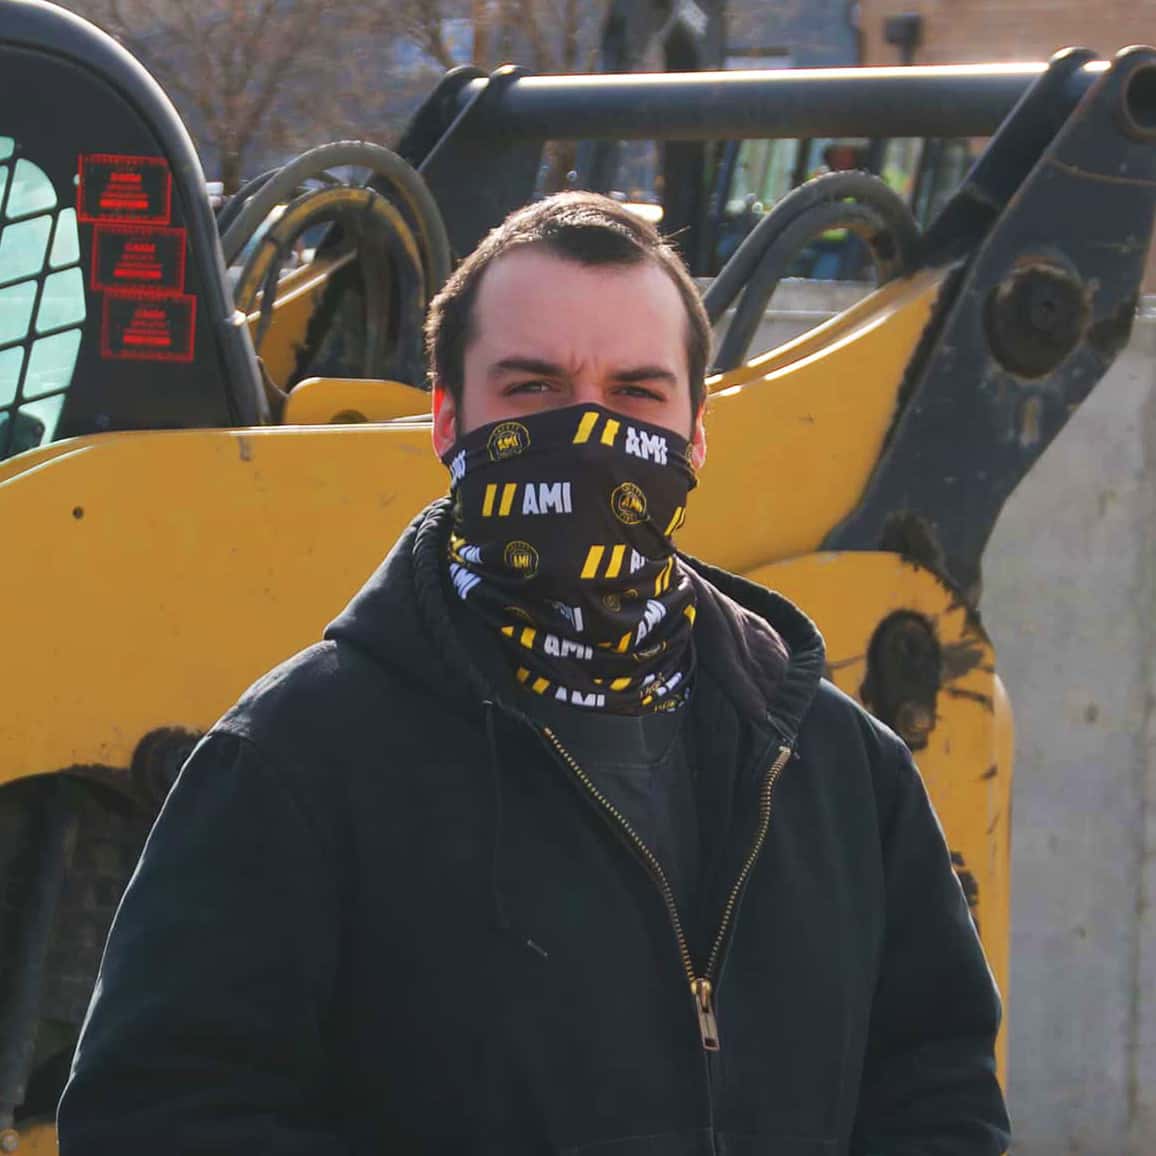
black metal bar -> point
(955, 100)
(477, 179)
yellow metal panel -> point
(10, 467)
(329, 400)
(884, 301)
(150, 576)
(791, 451)
(35, 1139)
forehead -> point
(547, 304)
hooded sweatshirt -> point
(381, 912)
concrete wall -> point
(1069, 594)
(1069, 599)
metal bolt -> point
(904, 671)
(1035, 317)
(914, 722)
(1051, 312)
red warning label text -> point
(148, 328)
(124, 188)
(146, 258)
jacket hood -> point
(761, 648)
(401, 616)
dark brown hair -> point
(587, 228)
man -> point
(559, 842)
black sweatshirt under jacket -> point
(380, 914)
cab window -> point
(42, 302)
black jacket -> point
(380, 915)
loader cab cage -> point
(114, 313)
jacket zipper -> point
(701, 986)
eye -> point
(535, 386)
(641, 391)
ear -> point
(698, 440)
(445, 420)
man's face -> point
(548, 332)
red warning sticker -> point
(148, 328)
(124, 188)
(146, 258)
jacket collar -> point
(764, 653)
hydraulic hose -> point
(393, 273)
(395, 231)
(413, 197)
(230, 210)
(227, 213)
(859, 202)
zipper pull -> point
(707, 1024)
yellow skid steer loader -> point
(174, 521)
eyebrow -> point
(549, 369)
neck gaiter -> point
(562, 543)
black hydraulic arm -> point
(1053, 226)
(478, 139)
(1049, 232)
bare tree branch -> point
(483, 32)
(543, 55)
(261, 77)
(425, 22)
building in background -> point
(973, 31)
(790, 34)
(977, 31)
